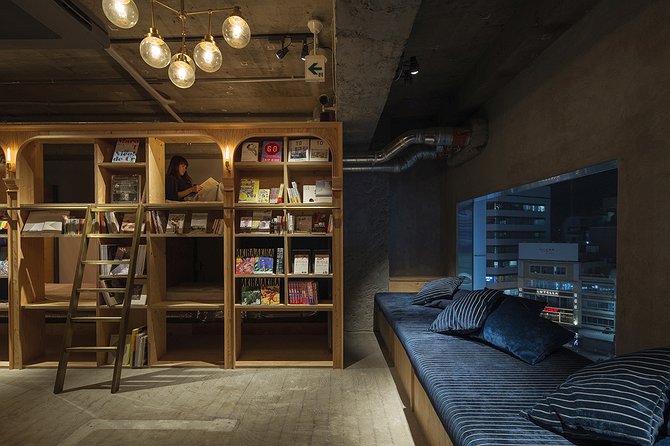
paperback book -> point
(248, 190)
(272, 151)
(125, 150)
(175, 223)
(298, 150)
(319, 150)
(250, 151)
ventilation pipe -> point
(457, 144)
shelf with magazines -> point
(281, 317)
(189, 305)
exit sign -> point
(315, 67)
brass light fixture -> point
(156, 53)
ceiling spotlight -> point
(413, 65)
(282, 52)
(305, 50)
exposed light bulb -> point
(236, 30)
(182, 70)
(122, 13)
(154, 50)
(207, 55)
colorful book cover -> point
(250, 295)
(125, 150)
(270, 295)
(248, 190)
(244, 265)
(272, 151)
(264, 265)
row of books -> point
(251, 192)
(306, 261)
(135, 351)
(299, 150)
(303, 292)
(175, 223)
(259, 261)
(261, 221)
(317, 223)
(115, 252)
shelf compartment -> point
(325, 167)
(48, 347)
(185, 341)
(187, 235)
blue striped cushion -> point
(620, 400)
(437, 289)
(467, 313)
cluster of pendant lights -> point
(156, 53)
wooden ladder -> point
(72, 315)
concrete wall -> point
(601, 92)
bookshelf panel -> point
(192, 339)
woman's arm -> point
(191, 190)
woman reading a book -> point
(178, 183)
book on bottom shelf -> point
(135, 350)
(260, 292)
(199, 222)
(303, 292)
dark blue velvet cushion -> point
(534, 306)
(439, 303)
(443, 288)
(467, 312)
(622, 400)
(521, 332)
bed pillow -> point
(534, 306)
(443, 288)
(439, 303)
(622, 400)
(467, 312)
(520, 331)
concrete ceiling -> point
(63, 61)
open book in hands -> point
(211, 191)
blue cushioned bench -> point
(476, 391)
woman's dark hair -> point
(173, 168)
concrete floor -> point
(356, 406)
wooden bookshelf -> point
(192, 314)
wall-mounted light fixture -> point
(226, 159)
(283, 51)
(9, 166)
(156, 53)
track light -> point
(305, 50)
(282, 52)
(413, 65)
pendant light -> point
(153, 49)
(182, 68)
(122, 13)
(236, 30)
(207, 54)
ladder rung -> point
(96, 318)
(91, 349)
(101, 290)
(106, 262)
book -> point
(199, 222)
(303, 223)
(250, 295)
(45, 222)
(125, 150)
(175, 223)
(140, 261)
(125, 189)
(248, 190)
(261, 220)
(128, 222)
(301, 262)
(274, 195)
(112, 299)
(121, 269)
(272, 151)
(321, 262)
(211, 191)
(264, 264)
(263, 195)
(324, 191)
(270, 295)
(280, 261)
(303, 292)
(249, 151)
(319, 150)
(139, 296)
(298, 150)
(309, 193)
(319, 223)
(246, 222)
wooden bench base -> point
(408, 383)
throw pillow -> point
(622, 400)
(521, 332)
(437, 289)
(439, 303)
(467, 313)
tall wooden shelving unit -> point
(235, 342)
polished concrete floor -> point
(355, 406)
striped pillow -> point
(437, 289)
(467, 313)
(621, 400)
